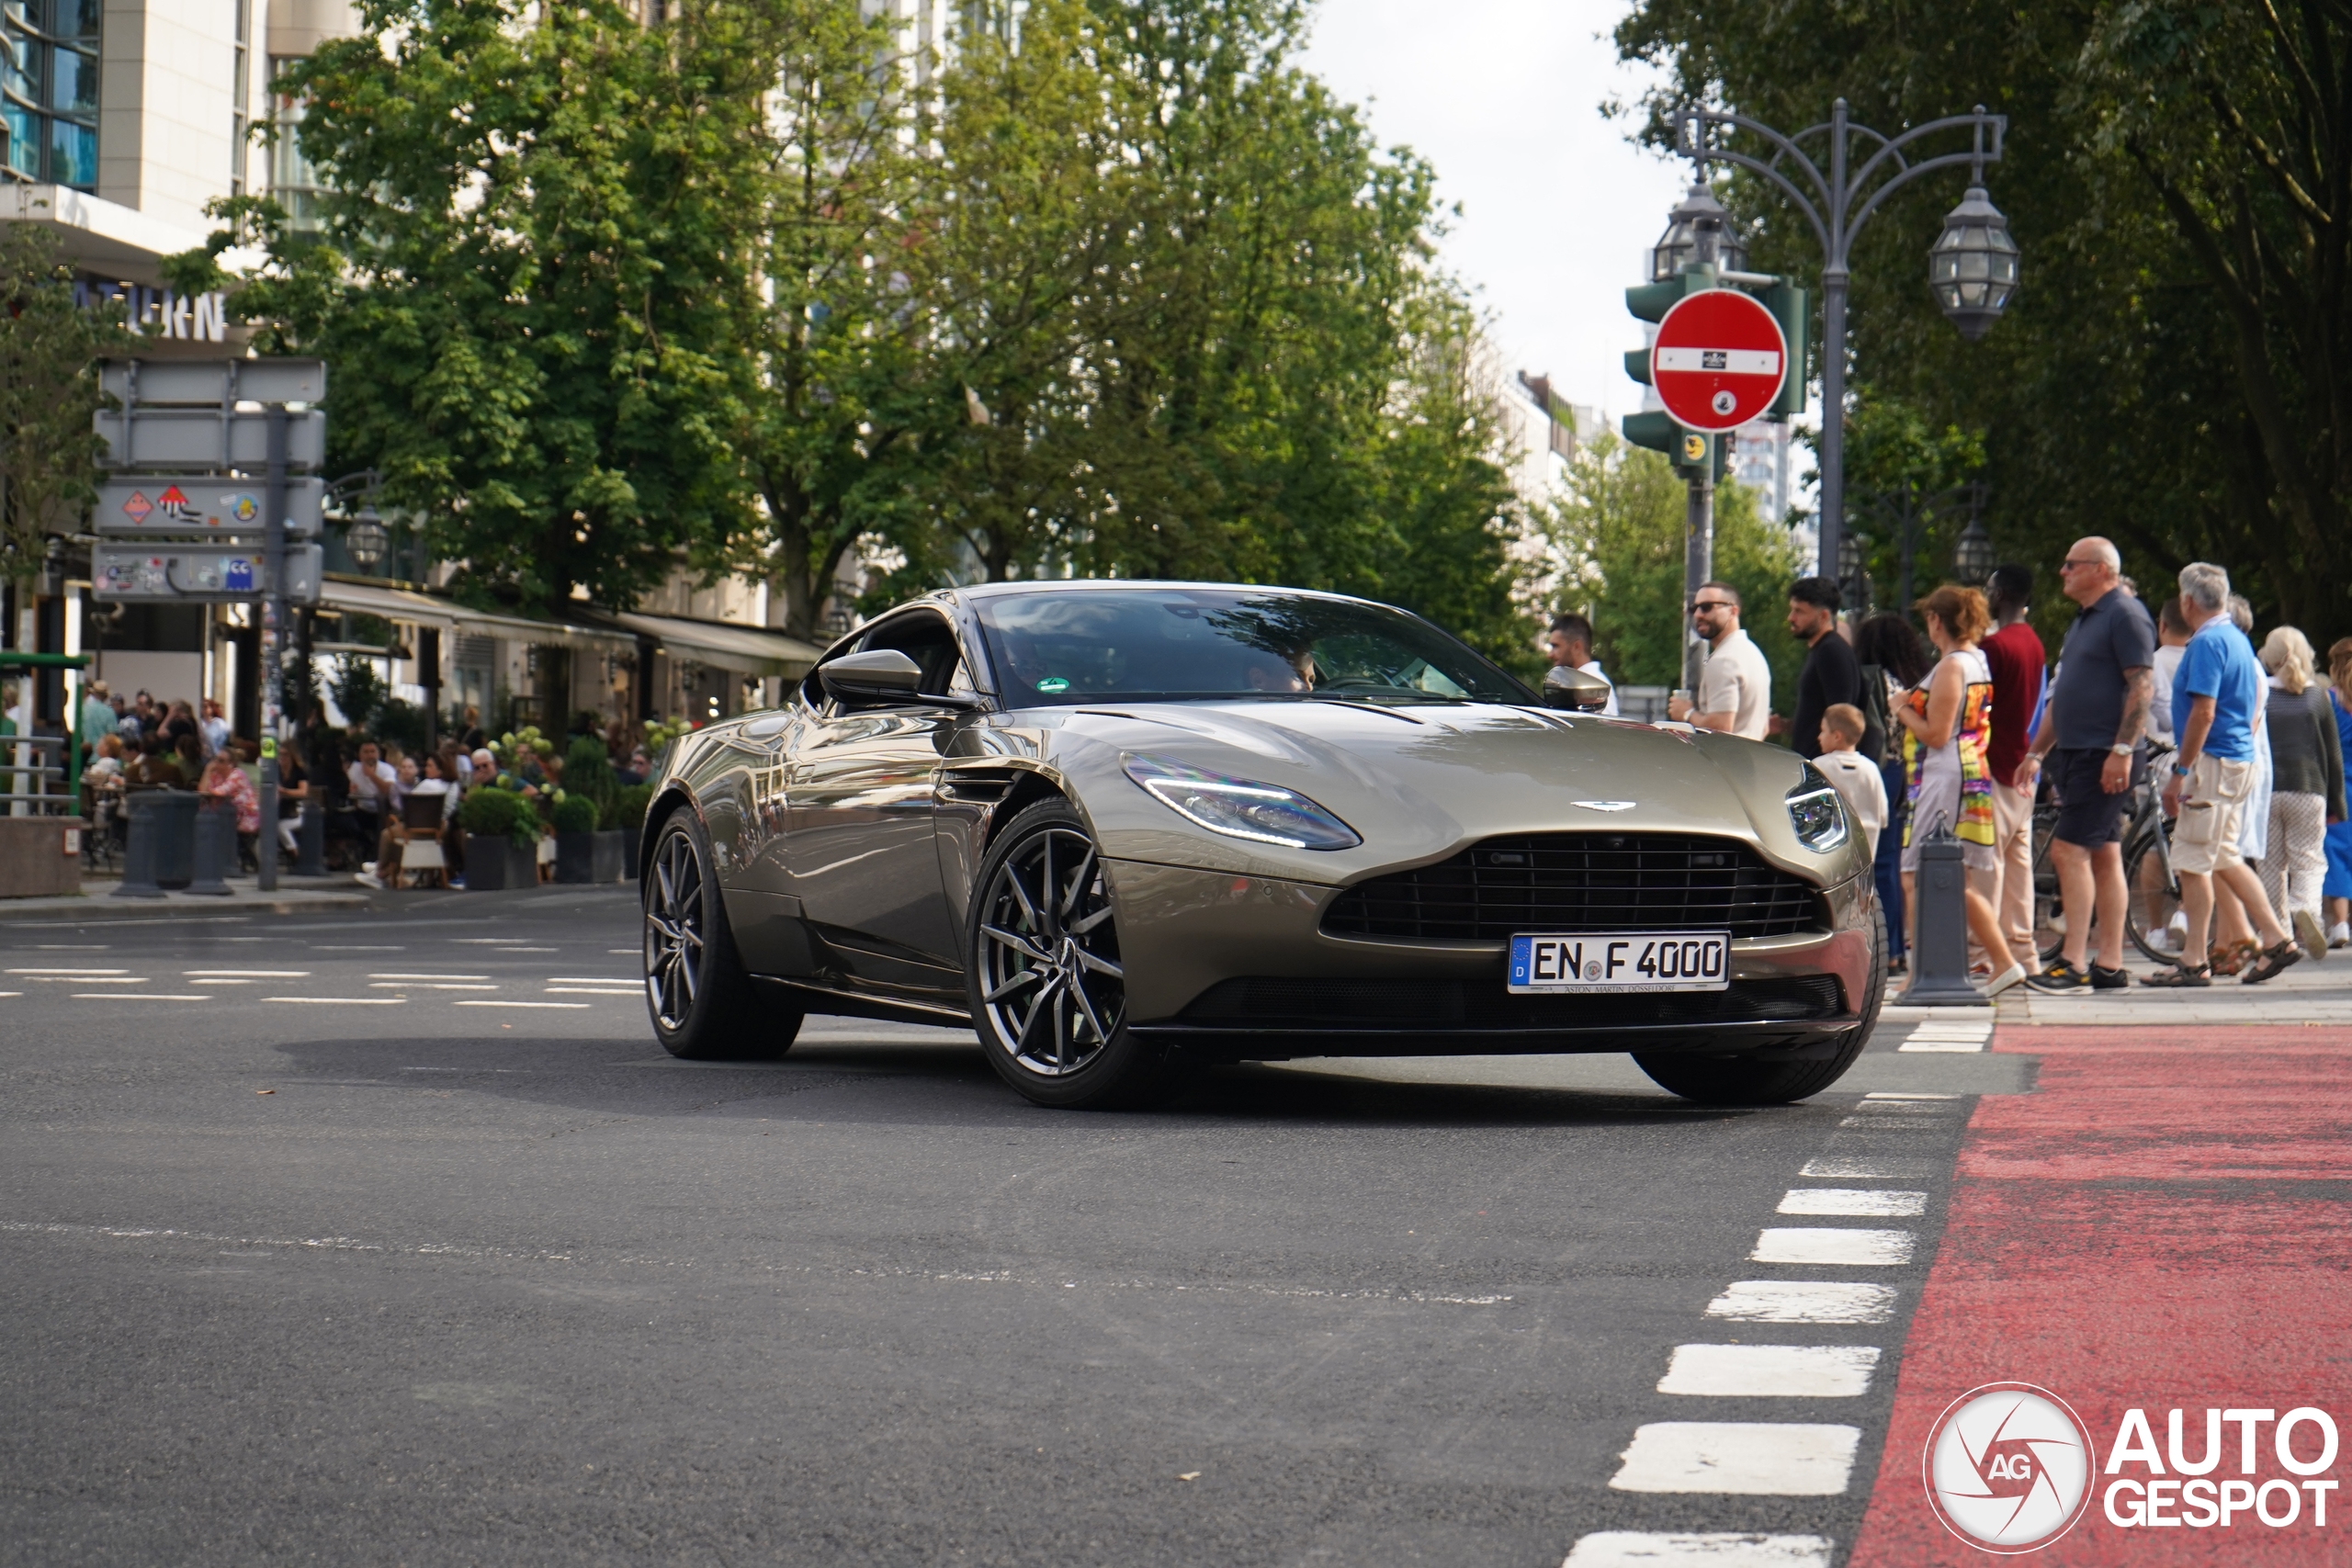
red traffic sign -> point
(1719, 360)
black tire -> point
(1041, 951)
(2152, 894)
(703, 1006)
(1747, 1080)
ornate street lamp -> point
(1973, 558)
(1973, 268)
(366, 539)
(1696, 218)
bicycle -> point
(2153, 895)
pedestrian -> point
(2234, 944)
(1568, 643)
(470, 737)
(1855, 775)
(214, 727)
(1832, 674)
(2172, 641)
(1893, 655)
(1734, 684)
(1949, 720)
(2097, 726)
(2214, 700)
(223, 780)
(2337, 888)
(2015, 656)
(97, 714)
(2307, 785)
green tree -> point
(1624, 514)
(49, 390)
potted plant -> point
(626, 818)
(502, 832)
(575, 838)
(588, 772)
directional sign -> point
(214, 381)
(206, 438)
(155, 506)
(1719, 360)
(199, 573)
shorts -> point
(2087, 816)
(2338, 883)
(2212, 813)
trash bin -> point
(161, 852)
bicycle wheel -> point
(2152, 892)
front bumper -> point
(1237, 966)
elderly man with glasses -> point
(2096, 725)
(1735, 684)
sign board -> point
(208, 382)
(159, 506)
(199, 573)
(206, 438)
(1719, 360)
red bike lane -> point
(2165, 1224)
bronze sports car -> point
(1120, 828)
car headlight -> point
(1262, 813)
(1817, 814)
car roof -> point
(1136, 584)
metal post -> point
(1833, 351)
(1698, 562)
(273, 643)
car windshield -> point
(1144, 643)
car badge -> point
(1605, 805)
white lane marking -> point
(401, 974)
(1771, 1371)
(1833, 1167)
(246, 974)
(593, 991)
(11, 993)
(1852, 1201)
(341, 1001)
(356, 947)
(65, 971)
(487, 940)
(1908, 1108)
(423, 986)
(116, 978)
(136, 997)
(73, 947)
(1947, 1047)
(1888, 1124)
(1803, 1300)
(1891, 1094)
(628, 950)
(1641, 1548)
(209, 980)
(592, 980)
(580, 1005)
(1859, 1249)
(1760, 1459)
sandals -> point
(2180, 977)
(2229, 960)
(2271, 960)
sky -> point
(1559, 209)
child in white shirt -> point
(1855, 775)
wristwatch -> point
(2178, 771)
(2121, 749)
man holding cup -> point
(1734, 684)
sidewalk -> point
(97, 900)
(2314, 991)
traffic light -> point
(1689, 450)
(1788, 306)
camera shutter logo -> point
(2008, 1466)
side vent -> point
(976, 787)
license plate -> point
(1621, 961)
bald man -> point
(2097, 727)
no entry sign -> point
(1719, 360)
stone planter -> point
(575, 857)
(609, 846)
(632, 845)
(493, 861)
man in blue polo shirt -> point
(2213, 697)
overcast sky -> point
(1503, 97)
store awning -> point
(748, 649)
(431, 610)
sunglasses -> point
(1713, 605)
(2065, 564)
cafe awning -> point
(431, 610)
(749, 650)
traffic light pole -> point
(1697, 563)
(273, 644)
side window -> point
(924, 638)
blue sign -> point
(237, 574)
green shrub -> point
(487, 812)
(629, 807)
(575, 814)
(588, 770)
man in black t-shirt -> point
(1831, 674)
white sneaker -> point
(2309, 935)
(2013, 974)
(2340, 935)
(369, 878)
(369, 867)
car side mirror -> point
(885, 674)
(1573, 689)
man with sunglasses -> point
(1735, 684)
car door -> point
(859, 795)
(761, 909)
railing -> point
(33, 769)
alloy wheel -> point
(1050, 980)
(674, 930)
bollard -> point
(216, 848)
(138, 849)
(311, 842)
(1940, 955)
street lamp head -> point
(1849, 555)
(1973, 268)
(1697, 220)
(1973, 559)
(366, 539)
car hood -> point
(1420, 783)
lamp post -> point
(1908, 512)
(1973, 268)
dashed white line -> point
(1852, 1201)
(1865, 1167)
(136, 997)
(593, 991)
(36, 972)
(1858, 1248)
(1879, 1094)
(424, 985)
(341, 1001)
(245, 974)
(117, 978)
(1641, 1548)
(592, 980)
(1771, 1371)
(1803, 1300)
(400, 974)
(1757, 1459)
(580, 1004)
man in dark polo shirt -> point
(2094, 736)
(2014, 656)
(1831, 674)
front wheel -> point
(2153, 894)
(1049, 993)
(1751, 1080)
(702, 1003)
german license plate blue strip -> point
(1621, 960)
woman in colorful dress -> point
(1947, 728)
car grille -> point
(1582, 881)
(1473, 1006)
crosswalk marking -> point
(1852, 1247)
(1761, 1459)
(1771, 1371)
(1642, 1549)
(1852, 1201)
(1866, 1168)
(1803, 1300)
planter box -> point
(41, 857)
(493, 861)
(632, 846)
(575, 857)
(609, 849)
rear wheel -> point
(1049, 993)
(2153, 894)
(1755, 1080)
(703, 1005)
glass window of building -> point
(292, 181)
(49, 91)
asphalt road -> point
(393, 1238)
